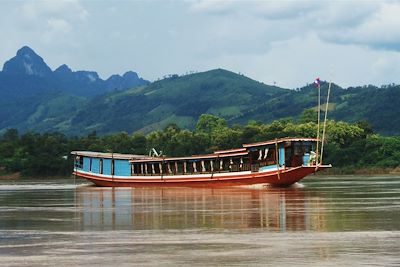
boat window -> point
(271, 157)
(180, 169)
(112, 167)
(90, 164)
(79, 162)
(307, 148)
(298, 149)
(185, 167)
(266, 156)
(294, 154)
(101, 166)
(226, 165)
(158, 168)
(132, 169)
(194, 167)
(168, 166)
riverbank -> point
(360, 171)
(17, 176)
(10, 176)
(347, 145)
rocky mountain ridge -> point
(27, 65)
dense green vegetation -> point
(177, 99)
(349, 146)
(182, 99)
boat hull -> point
(284, 177)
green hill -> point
(179, 100)
(238, 99)
(182, 99)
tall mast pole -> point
(318, 121)
(326, 113)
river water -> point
(322, 221)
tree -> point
(309, 115)
(10, 135)
(366, 126)
(208, 123)
(139, 143)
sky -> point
(287, 43)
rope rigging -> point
(320, 155)
(326, 114)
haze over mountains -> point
(34, 97)
(27, 65)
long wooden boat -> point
(279, 162)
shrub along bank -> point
(349, 147)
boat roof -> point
(235, 152)
(109, 155)
(282, 140)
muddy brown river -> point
(322, 221)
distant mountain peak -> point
(88, 76)
(130, 74)
(27, 66)
(63, 69)
(27, 62)
(128, 80)
(25, 51)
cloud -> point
(52, 20)
(70, 9)
(212, 7)
(374, 24)
(51, 23)
(54, 28)
(267, 9)
(380, 30)
(284, 10)
(295, 62)
(289, 42)
(283, 41)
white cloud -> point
(380, 30)
(296, 62)
(284, 10)
(284, 41)
(52, 21)
(212, 7)
(71, 9)
(368, 23)
(267, 9)
(54, 29)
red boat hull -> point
(285, 177)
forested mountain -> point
(237, 99)
(33, 97)
(179, 100)
(27, 73)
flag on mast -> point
(317, 82)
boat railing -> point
(255, 167)
(240, 167)
(236, 167)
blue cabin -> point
(108, 164)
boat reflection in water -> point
(275, 209)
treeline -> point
(348, 146)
